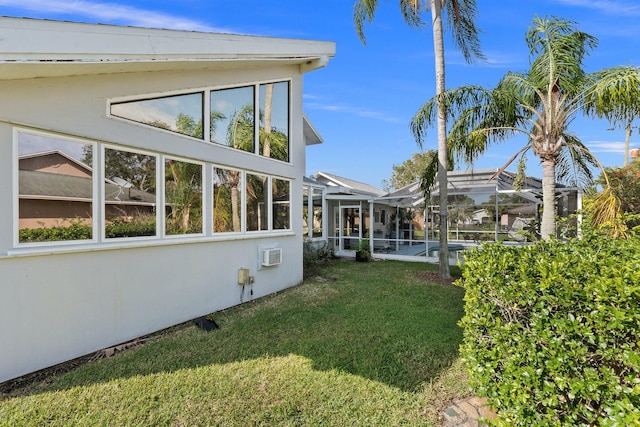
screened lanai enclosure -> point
(483, 207)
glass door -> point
(350, 227)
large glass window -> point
(60, 190)
(180, 113)
(55, 189)
(274, 120)
(232, 118)
(227, 200)
(183, 197)
(257, 202)
(281, 203)
(129, 193)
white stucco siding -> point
(55, 306)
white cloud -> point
(110, 13)
(611, 7)
(606, 147)
(360, 112)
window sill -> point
(141, 243)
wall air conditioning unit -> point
(271, 257)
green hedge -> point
(84, 232)
(552, 331)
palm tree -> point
(461, 16)
(540, 104)
(605, 101)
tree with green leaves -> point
(540, 104)
(460, 16)
(409, 171)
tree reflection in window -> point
(232, 118)
(227, 198)
(274, 120)
(183, 197)
(257, 202)
(129, 194)
(55, 189)
(281, 202)
(180, 113)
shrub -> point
(551, 331)
(73, 231)
(314, 255)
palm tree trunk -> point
(438, 47)
(548, 224)
(626, 144)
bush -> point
(313, 256)
(74, 231)
(551, 331)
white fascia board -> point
(55, 42)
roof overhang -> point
(31, 48)
(311, 135)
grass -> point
(360, 344)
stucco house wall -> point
(61, 301)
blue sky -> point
(363, 101)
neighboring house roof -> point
(33, 161)
(43, 48)
(53, 186)
(346, 185)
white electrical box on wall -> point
(271, 257)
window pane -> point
(274, 120)
(227, 200)
(257, 203)
(317, 212)
(232, 118)
(181, 113)
(183, 197)
(281, 204)
(55, 186)
(129, 194)
(305, 211)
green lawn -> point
(369, 344)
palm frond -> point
(428, 177)
(558, 49)
(614, 94)
(575, 162)
(461, 17)
(363, 11)
(606, 214)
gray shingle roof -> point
(43, 185)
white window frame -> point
(159, 206)
(95, 210)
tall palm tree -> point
(460, 15)
(540, 104)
